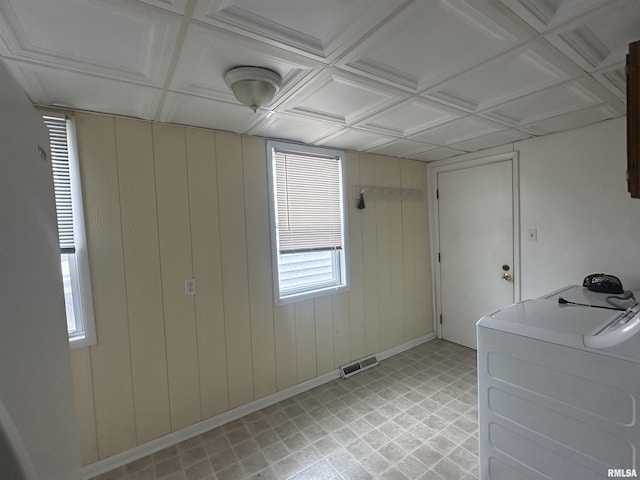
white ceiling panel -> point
(544, 14)
(577, 119)
(413, 115)
(600, 39)
(437, 154)
(340, 97)
(354, 139)
(117, 39)
(515, 74)
(207, 113)
(432, 40)
(49, 86)
(492, 140)
(319, 28)
(175, 6)
(614, 79)
(556, 101)
(291, 127)
(458, 131)
(207, 54)
(402, 148)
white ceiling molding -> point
(46, 85)
(116, 39)
(175, 6)
(576, 119)
(341, 97)
(558, 100)
(324, 30)
(600, 39)
(433, 40)
(520, 72)
(492, 140)
(402, 148)
(208, 113)
(413, 115)
(544, 15)
(293, 127)
(458, 131)
(437, 154)
(205, 58)
(614, 78)
(353, 139)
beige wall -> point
(165, 203)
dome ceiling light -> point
(254, 87)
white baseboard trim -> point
(103, 466)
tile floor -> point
(414, 416)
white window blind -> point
(61, 180)
(308, 202)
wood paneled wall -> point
(165, 203)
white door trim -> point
(433, 169)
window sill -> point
(299, 297)
(82, 341)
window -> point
(73, 252)
(307, 221)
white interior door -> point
(476, 246)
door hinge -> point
(440, 319)
(439, 256)
(437, 193)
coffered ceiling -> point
(422, 79)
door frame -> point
(448, 165)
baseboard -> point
(406, 346)
(153, 446)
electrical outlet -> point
(190, 286)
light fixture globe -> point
(253, 86)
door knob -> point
(506, 277)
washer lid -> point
(549, 321)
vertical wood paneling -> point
(110, 358)
(370, 260)
(207, 270)
(394, 227)
(305, 339)
(176, 266)
(409, 251)
(286, 355)
(357, 335)
(85, 410)
(324, 334)
(142, 273)
(256, 193)
(341, 331)
(187, 202)
(387, 315)
(234, 268)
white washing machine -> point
(559, 390)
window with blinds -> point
(73, 255)
(61, 180)
(307, 211)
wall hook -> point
(361, 205)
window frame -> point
(345, 285)
(79, 266)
